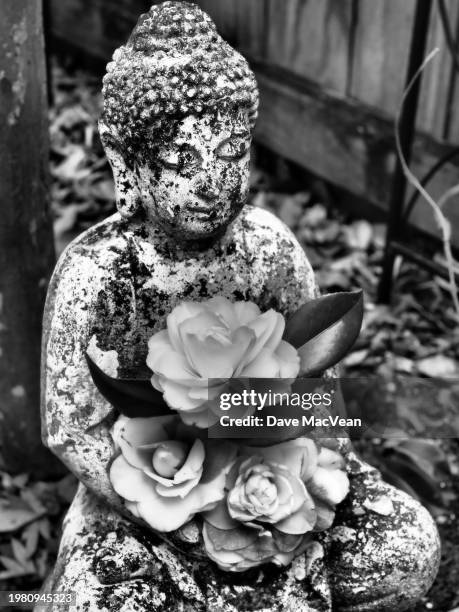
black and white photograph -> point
(229, 305)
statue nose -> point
(208, 187)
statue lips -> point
(203, 210)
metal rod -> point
(398, 248)
(407, 131)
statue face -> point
(198, 181)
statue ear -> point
(128, 200)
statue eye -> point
(179, 158)
(234, 148)
(170, 159)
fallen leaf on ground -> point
(438, 366)
(15, 513)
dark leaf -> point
(324, 330)
(232, 539)
(410, 477)
(132, 397)
(427, 455)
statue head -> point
(179, 109)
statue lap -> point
(371, 560)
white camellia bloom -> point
(277, 496)
(166, 479)
(218, 340)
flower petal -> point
(129, 482)
(133, 509)
(140, 432)
(283, 559)
(163, 359)
(268, 328)
(296, 496)
(193, 463)
(246, 312)
(231, 540)
(169, 513)
(330, 486)
(225, 309)
(118, 429)
(220, 517)
(325, 516)
(214, 351)
(286, 542)
(178, 490)
(176, 395)
(264, 365)
(301, 521)
(300, 455)
(202, 498)
(330, 459)
(182, 312)
(288, 359)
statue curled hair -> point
(175, 64)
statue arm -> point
(76, 419)
(289, 278)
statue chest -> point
(141, 291)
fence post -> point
(407, 132)
(26, 241)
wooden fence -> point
(331, 76)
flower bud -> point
(169, 457)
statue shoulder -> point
(95, 249)
(268, 233)
(274, 250)
(87, 263)
(263, 225)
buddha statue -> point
(179, 109)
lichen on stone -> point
(175, 64)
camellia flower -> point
(268, 492)
(166, 480)
(276, 497)
(218, 340)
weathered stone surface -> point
(371, 560)
(183, 232)
(383, 550)
(115, 566)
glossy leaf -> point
(131, 397)
(411, 478)
(417, 467)
(324, 330)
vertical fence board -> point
(96, 26)
(311, 38)
(26, 239)
(436, 79)
(225, 16)
(452, 127)
(241, 23)
(251, 26)
(382, 40)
